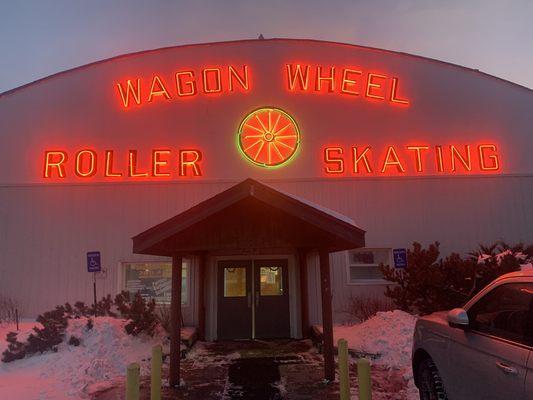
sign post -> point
(94, 265)
(400, 258)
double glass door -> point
(253, 299)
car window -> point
(506, 312)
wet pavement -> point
(259, 370)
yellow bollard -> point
(155, 384)
(363, 375)
(132, 382)
(344, 374)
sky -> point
(40, 38)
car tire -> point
(430, 384)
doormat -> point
(254, 379)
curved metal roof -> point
(137, 53)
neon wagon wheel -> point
(268, 137)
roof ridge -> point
(140, 52)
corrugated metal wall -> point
(45, 230)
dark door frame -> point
(216, 260)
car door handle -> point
(507, 368)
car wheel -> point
(429, 382)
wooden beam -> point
(304, 293)
(202, 259)
(327, 317)
(175, 322)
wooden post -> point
(365, 382)
(132, 381)
(175, 322)
(327, 318)
(344, 369)
(201, 296)
(155, 382)
(304, 293)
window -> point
(363, 265)
(153, 280)
(271, 281)
(235, 282)
(505, 312)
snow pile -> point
(388, 334)
(75, 372)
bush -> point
(74, 341)
(360, 308)
(8, 309)
(50, 335)
(430, 284)
(15, 349)
(163, 316)
(139, 311)
(103, 308)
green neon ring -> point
(263, 164)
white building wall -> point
(47, 230)
(46, 227)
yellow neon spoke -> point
(269, 120)
(276, 124)
(259, 150)
(285, 136)
(284, 145)
(254, 128)
(282, 129)
(252, 136)
(261, 122)
(269, 153)
(252, 145)
(279, 152)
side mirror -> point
(458, 318)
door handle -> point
(249, 299)
(507, 368)
(257, 299)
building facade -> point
(409, 148)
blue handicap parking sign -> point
(400, 258)
(93, 261)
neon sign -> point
(224, 80)
(268, 137)
(88, 163)
(410, 159)
(184, 84)
(345, 81)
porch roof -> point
(248, 216)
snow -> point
(105, 351)
(526, 267)
(520, 256)
(75, 372)
(390, 336)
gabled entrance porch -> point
(241, 238)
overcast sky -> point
(39, 38)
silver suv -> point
(483, 351)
